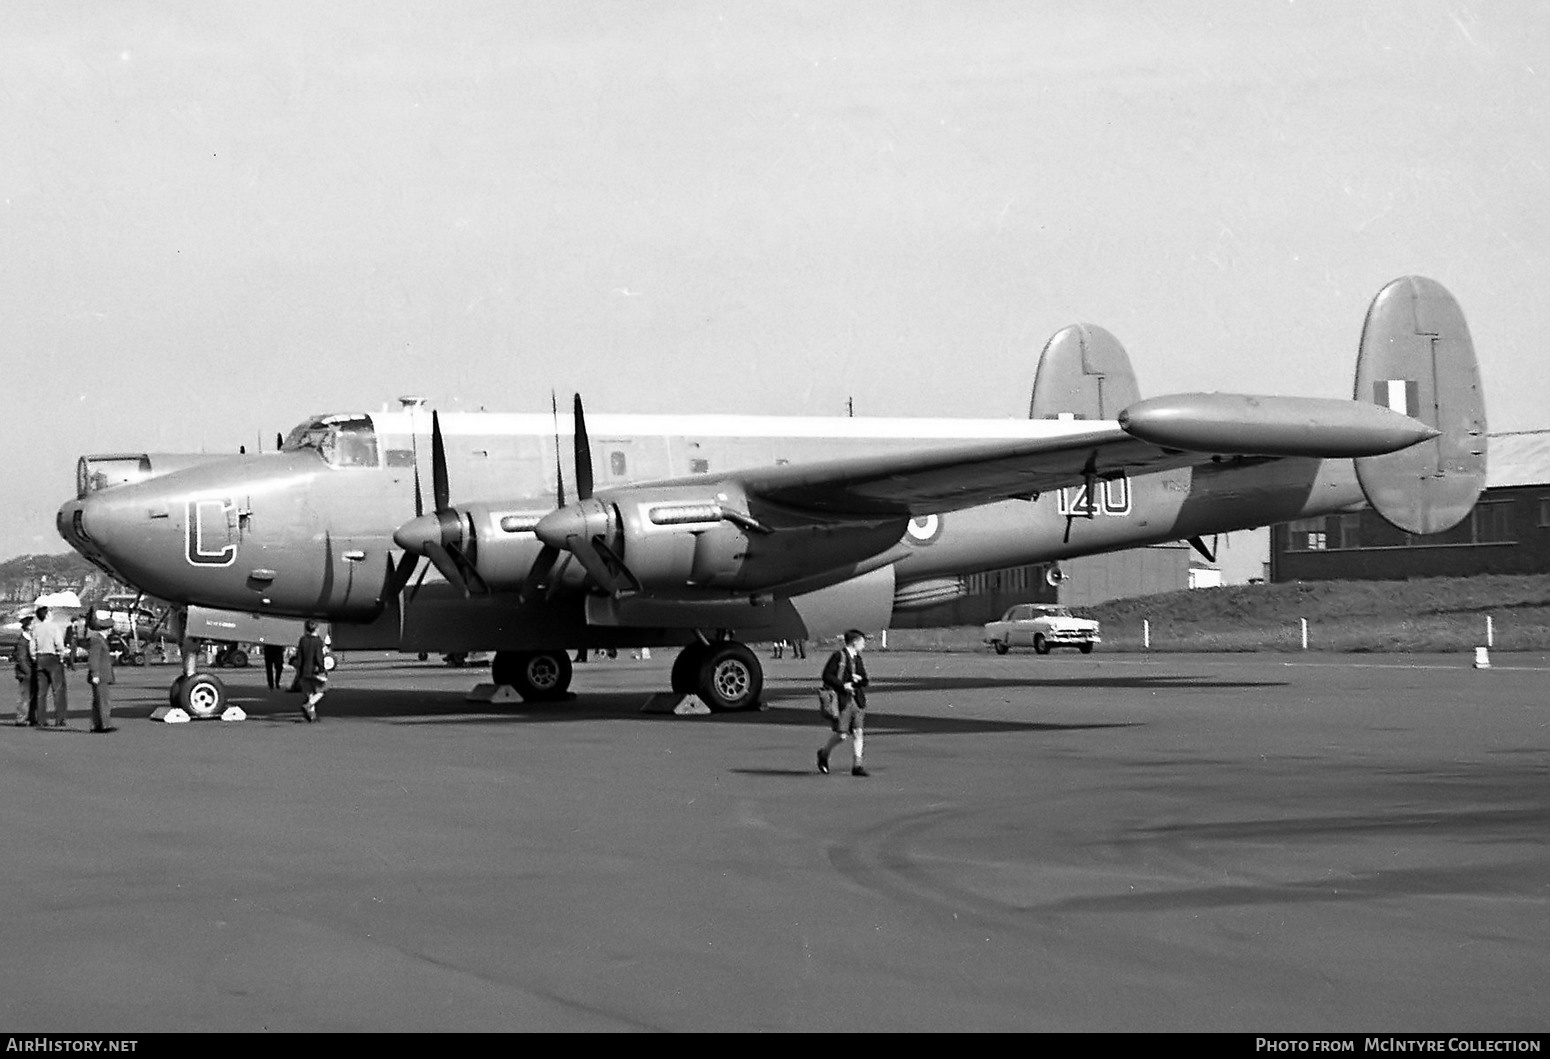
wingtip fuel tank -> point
(1248, 425)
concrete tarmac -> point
(1262, 843)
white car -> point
(1041, 626)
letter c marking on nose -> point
(211, 514)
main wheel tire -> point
(731, 677)
(202, 695)
(175, 689)
(1040, 644)
(686, 669)
(1002, 647)
(1085, 648)
(238, 659)
(534, 674)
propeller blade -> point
(415, 591)
(559, 472)
(583, 455)
(439, 489)
(593, 562)
(469, 570)
(414, 446)
(443, 562)
(398, 576)
(557, 577)
(615, 563)
(538, 576)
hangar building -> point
(1508, 532)
(1084, 581)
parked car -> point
(1041, 626)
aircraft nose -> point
(97, 527)
(83, 524)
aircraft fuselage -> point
(308, 531)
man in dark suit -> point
(99, 674)
(21, 655)
(274, 663)
(311, 670)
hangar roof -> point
(1518, 458)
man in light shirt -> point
(48, 646)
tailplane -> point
(1417, 358)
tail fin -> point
(1417, 358)
(1083, 373)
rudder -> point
(1416, 357)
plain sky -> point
(218, 218)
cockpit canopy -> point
(345, 440)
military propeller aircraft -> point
(706, 531)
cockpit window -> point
(341, 440)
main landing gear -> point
(534, 674)
(725, 674)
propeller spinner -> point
(583, 529)
(441, 535)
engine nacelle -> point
(919, 595)
(711, 536)
(673, 540)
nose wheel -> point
(199, 695)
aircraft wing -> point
(1152, 435)
(949, 477)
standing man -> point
(21, 655)
(846, 674)
(274, 663)
(48, 646)
(311, 672)
(99, 674)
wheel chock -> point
(675, 703)
(170, 715)
(1482, 658)
(493, 693)
(234, 713)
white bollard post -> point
(1304, 633)
(1146, 634)
(1490, 632)
(885, 640)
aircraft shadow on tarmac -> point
(785, 708)
(886, 684)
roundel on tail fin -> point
(1084, 373)
(1417, 358)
